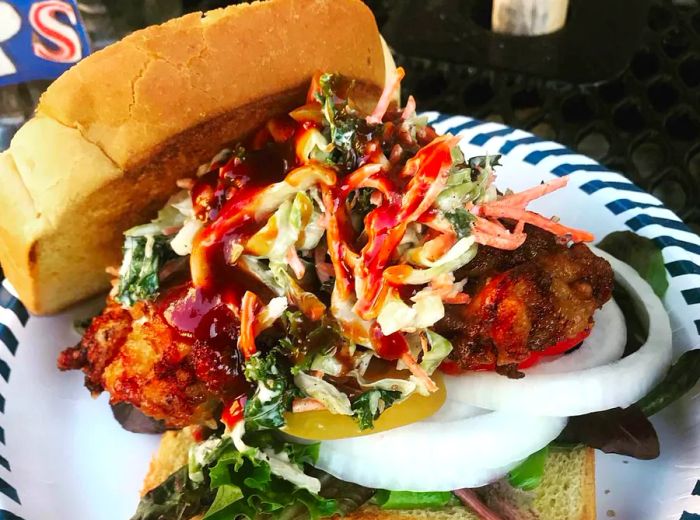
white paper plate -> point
(63, 457)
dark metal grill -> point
(643, 122)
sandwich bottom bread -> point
(566, 491)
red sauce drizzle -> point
(389, 347)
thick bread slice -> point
(567, 490)
(113, 134)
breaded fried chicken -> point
(525, 301)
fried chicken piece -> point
(141, 359)
(525, 301)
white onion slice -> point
(440, 456)
(605, 344)
(620, 383)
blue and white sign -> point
(39, 39)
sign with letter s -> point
(39, 39)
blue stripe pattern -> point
(596, 185)
(508, 146)
(440, 118)
(464, 126)
(8, 338)
(641, 221)
(665, 241)
(4, 370)
(566, 169)
(482, 139)
(681, 267)
(10, 492)
(8, 301)
(691, 296)
(539, 155)
(621, 205)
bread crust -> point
(113, 134)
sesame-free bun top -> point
(113, 134)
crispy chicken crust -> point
(139, 359)
(525, 301)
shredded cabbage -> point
(459, 255)
(334, 400)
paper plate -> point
(62, 455)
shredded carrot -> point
(307, 404)
(457, 298)
(424, 343)
(356, 178)
(522, 199)
(295, 262)
(418, 371)
(249, 308)
(314, 88)
(335, 244)
(577, 235)
(388, 95)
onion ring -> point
(439, 456)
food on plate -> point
(119, 128)
(337, 309)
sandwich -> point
(329, 307)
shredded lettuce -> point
(439, 349)
(147, 248)
(395, 315)
(467, 182)
(334, 400)
(459, 255)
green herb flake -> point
(461, 221)
(369, 405)
(139, 274)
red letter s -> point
(42, 16)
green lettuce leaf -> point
(681, 378)
(242, 485)
(642, 254)
(528, 474)
(412, 499)
(176, 498)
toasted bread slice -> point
(567, 490)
